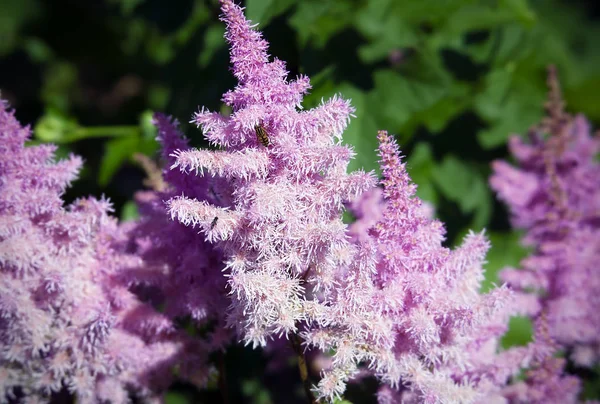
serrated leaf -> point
(464, 185)
(116, 152)
(437, 116)
(401, 94)
(474, 17)
(511, 102)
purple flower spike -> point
(67, 320)
(553, 193)
(409, 308)
(283, 174)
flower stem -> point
(297, 346)
(223, 378)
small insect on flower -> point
(214, 222)
(261, 134)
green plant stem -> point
(297, 346)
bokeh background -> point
(452, 79)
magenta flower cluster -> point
(247, 242)
(554, 196)
(67, 316)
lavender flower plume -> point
(384, 293)
(553, 193)
(66, 319)
(410, 308)
(178, 267)
(281, 231)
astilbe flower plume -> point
(384, 293)
(66, 318)
(178, 269)
(410, 309)
(279, 225)
(553, 194)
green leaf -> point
(521, 10)
(55, 127)
(362, 131)
(116, 152)
(420, 166)
(129, 212)
(60, 82)
(510, 102)
(148, 143)
(585, 98)
(465, 185)
(506, 251)
(160, 49)
(37, 50)
(263, 11)
(520, 332)
(14, 15)
(213, 41)
(437, 116)
(473, 18)
(174, 397)
(400, 95)
(316, 21)
(255, 392)
(158, 96)
(385, 30)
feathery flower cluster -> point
(179, 269)
(385, 292)
(273, 257)
(411, 308)
(66, 318)
(279, 224)
(554, 195)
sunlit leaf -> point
(129, 212)
(520, 332)
(116, 152)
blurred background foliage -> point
(451, 78)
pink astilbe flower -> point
(384, 293)
(281, 231)
(554, 195)
(66, 319)
(178, 267)
(409, 308)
